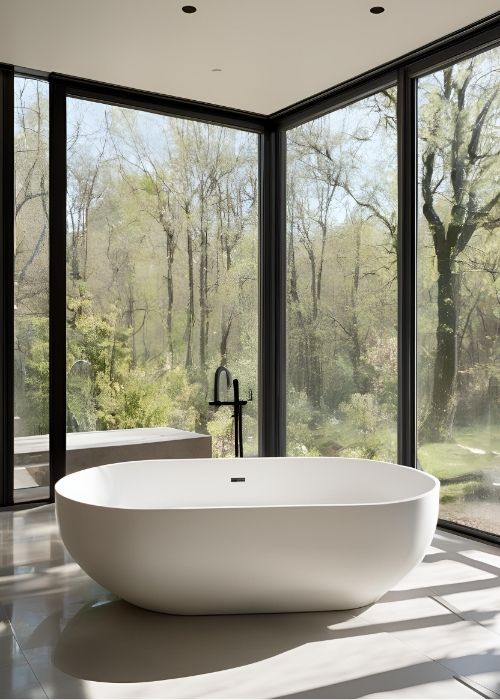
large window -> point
(342, 282)
(162, 237)
(162, 264)
(458, 287)
(31, 290)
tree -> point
(342, 243)
(460, 197)
(31, 257)
(317, 154)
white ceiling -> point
(271, 52)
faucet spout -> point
(221, 370)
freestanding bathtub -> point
(198, 536)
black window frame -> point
(7, 194)
(403, 72)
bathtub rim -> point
(433, 481)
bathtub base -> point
(259, 609)
(219, 546)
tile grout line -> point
(476, 687)
(37, 678)
(26, 658)
(461, 614)
(460, 679)
(449, 606)
(480, 690)
(427, 592)
(452, 676)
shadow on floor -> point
(119, 643)
(115, 642)
(415, 676)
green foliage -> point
(301, 433)
(32, 399)
(140, 402)
(467, 466)
(150, 196)
(121, 396)
(96, 337)
(365, 429)
(363, 411)
(221, 430)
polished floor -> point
(436, 635)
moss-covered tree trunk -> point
(439, 422)
(456, 171)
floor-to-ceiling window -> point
(162, 278)
(459, 287)
(31, 289)
(342, 282)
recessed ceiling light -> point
(216, 70)
(377, 10)
(189, 9)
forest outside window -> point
(162, 280)
(458, 287)
(31, 289)
(342, 282)
(162, 232)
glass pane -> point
(31, 280)
(342, 282)
(458, 287)
(161, 272)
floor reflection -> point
(119, 643)
(64, 636)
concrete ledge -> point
(135, 444)
(92, 449)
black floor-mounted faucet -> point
(220, 370)
(237, 404)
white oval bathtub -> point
(297, 534)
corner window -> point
(31, 290)
(162, 280)
(342, 282)
(458, 287)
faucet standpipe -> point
(237, 404)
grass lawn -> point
(474, 455)
(468, 466)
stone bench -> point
(93, 449)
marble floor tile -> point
(435, 635)
(464, 647)
(453, 542)
(10, 651)
(19, 681)
(482, 606)
(440, 571)
(329, 668)
(393, 616)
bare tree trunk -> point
(131, 323)
(170, 294)
(226, 324)
(298, 360)
(355, 349)
(439, 422)
(190, 318)
(75, 268)
(467, 165)
(203, 299)
(313, 349)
